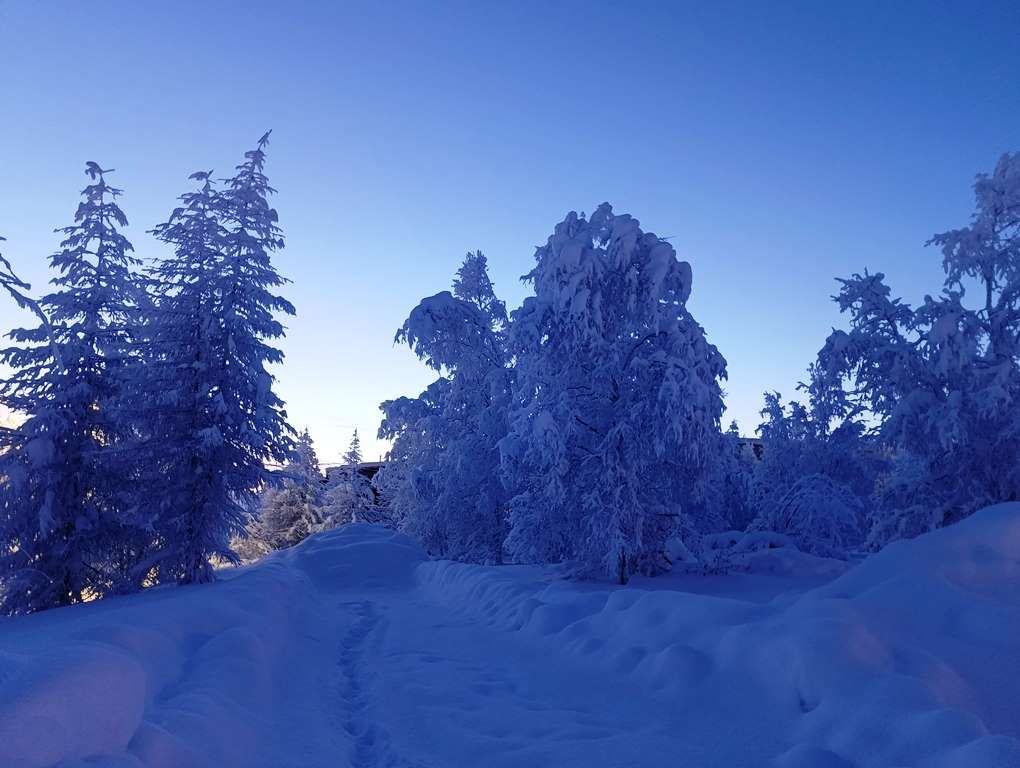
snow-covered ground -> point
(352, 649)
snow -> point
(353, 648)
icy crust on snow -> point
(185, 676)
(912, 658)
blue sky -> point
(779, 145)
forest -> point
(582, 428)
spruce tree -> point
(175, 390)
(216, 422)
(64, 524)
(350, 498)
(289, 513)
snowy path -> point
(420, 681)
(415, 680)
(372, 744)
(353, 651)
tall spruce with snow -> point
(941, 381)
(289, 513)
(216, 422)
(65, 528)
(617, 400)
(174, 389)
(442, 481)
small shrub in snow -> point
(819, 516)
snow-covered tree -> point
(290, 512)
(407, 483)
(442, 481)
(822, 517)
(174, 386)
(215, 422)
(65, 531)
(349, 497)
(617, 400)
(940, 381)
(727, 500)
(474, 286)
(16, 288)
(799, 443)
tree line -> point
(149, 411)
(582, 427)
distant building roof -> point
(366, 468)
(752, 444)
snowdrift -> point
(911, 658)
(187, 677)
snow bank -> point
(184, 676)
(173, 677)
(910, 659)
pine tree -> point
(171, 392)
(349, 498)
(15, 286)
(291, 512)
(64, 526)
(352, 456)
(216, 421)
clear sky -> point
(779, 144)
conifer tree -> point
(217, 422)
(350, 498)
(291, 512)
(64, 523)
(442, 481)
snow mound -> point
(358, 554)
(185, 676)
(911, 658)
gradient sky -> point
(779, 144)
